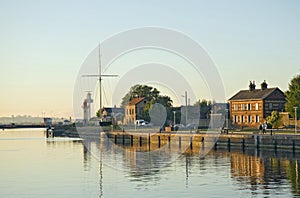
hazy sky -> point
(44, 43)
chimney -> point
(264, 85)
(252, 86)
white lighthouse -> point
(87, 108)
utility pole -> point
(295, 118)
(186, 111)
(174, 112)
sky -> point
(45, 43)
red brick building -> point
(251, 107)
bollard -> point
(202, 142)
(149, 139)
(131, 140)
(169, 141)
(191, 143)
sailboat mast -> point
(100, 83)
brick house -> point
(251, 107)
(134, 110)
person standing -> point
(264, 127)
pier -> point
(205, 140)
(21, 126)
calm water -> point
(33, 166)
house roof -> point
(110, 110)
(135, 101)
(256, 94)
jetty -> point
(18, 126)
(206, 140)
(184, 139)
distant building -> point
(47, 121)
(134, 110)
(67, 122)
(113, 114)
(251, 107)
(87, 108)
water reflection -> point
(264, 172)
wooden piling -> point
(191, 143)
(141, 140)
(131, 140)
(149, 139)
(257, 142)
(179, 142)
(216, 144)
(243, 143)
(294, 146)
(158, 141)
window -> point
(249, 106)
(256, 106)
(243, 107)
(235, 107)
(249, 119)
(243, 119)
(257, 119)
(235, 119)
(270, 106)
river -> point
(34, 166)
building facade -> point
(250, 107)
(134, 110)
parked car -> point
(147, 124)
(178, 127)
(139, 122)
(191, 126)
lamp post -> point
(186, 104)
(174, 112)
(226, 110)
(295, 119)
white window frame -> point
(235, 107)
(257, 118)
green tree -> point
(98, 113)
(274, 119)
(152, 95)
(138, 91)
(205, 108)
(293, 96)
